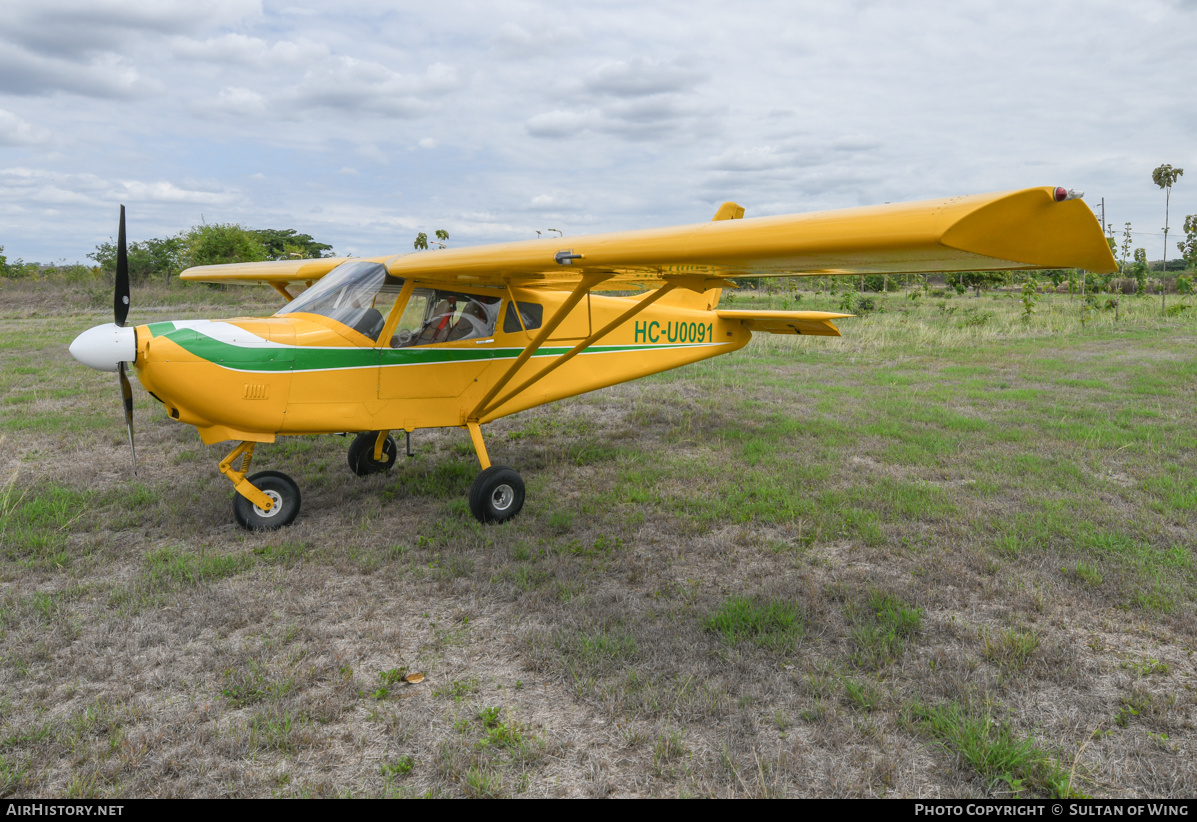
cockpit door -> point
(441, 343)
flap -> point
(816, 323)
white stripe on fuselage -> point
(228, 333)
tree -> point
(1165, 176)
(977, 280)
(284, 243)
(1126, 249)
(222, 243)
(877, 282)
(1139, 271)
(1030, 295)
(147, 258)
(17, 269)
(1188, 248)
(421, 243)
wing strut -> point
(583, 287)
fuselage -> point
(252, 379)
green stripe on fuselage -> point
(301, 358)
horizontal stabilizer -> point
(815, 323)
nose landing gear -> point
(284, 496)
(264, 502)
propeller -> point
(120, 304)
(110, 346)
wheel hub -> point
(277, 499)
(502, 497)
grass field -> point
(949, 554)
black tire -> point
(497, 494)
(276, 485)
(361, 454)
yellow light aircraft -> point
(465, 336)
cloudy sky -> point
(365, 123)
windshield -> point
(358, 294)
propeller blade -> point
(121, 298)
(127, 392)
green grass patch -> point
(776, 625)
(442, 480)
(35, 521)
(1010, 763)
(590, 654)
(172, 567)
(1010, 647)
(882, 627)
(249, 684)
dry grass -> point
(927, 559)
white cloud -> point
(252, 52)
(341, 84)
(512, 41)
(104, 75)
(242, 101)
(640, 77)
(16, 132)
(585, 116)
(562, 123)
(67, 28)
(89, 47)
(163, 191)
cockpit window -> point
(358, 294)
(435, 316)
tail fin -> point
(728, 211)
(707, 300)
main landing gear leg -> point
(497, 494)
(265, 501)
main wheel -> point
(281, 489)
(497, 494)
(361, 454)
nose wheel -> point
(284, 497)
(263, 502)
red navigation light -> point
(1061, 194)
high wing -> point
(982, 232)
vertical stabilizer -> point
(709, 299)
(728, 211)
